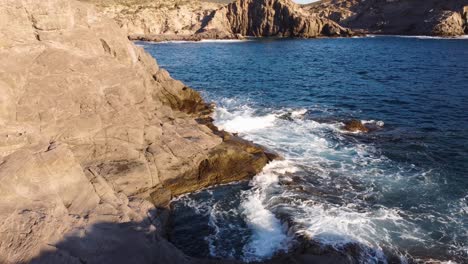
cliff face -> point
(403, 17)
(93, 136)
(194, 20)
(158, 17)
(281, 18)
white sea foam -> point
(269, 235)
(377, 123)
(307, 143)
(225, 40)
(298, 113)
(419, 36)
(352, 172)
(248, 123)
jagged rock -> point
(164, 20)
(401, 17)
(157, 17)
(465, 18)
(355, 125)
(264, 18)
(90, 126)
(449, 23)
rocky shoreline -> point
(95, 137)
(398, 17)
(179, 20)
(196, 20)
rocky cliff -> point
(170, 18)
(401, 17)
(265, 18)
(194, 20)
(93, 137)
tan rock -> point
(90, 127)
(449, 24)
(163, 20)
(264, 18)
(157, 17)
(355, 125)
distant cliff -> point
(266, 18)
(158, 17)
(195, 20)
(401, 17)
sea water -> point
(399, 192)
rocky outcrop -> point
(92, 132)
(195, 20)
(265, 18)
(171, 18)
(449, 23)
(355, 125)
(401, 17)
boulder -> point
(449, 24)
(355, 125)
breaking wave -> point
(330, 188)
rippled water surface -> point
(398, 192)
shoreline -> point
(98, 139)
(190, 39)
(92, 165)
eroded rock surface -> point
(264, 18)
(92, 132)
(171, 18)
(195, 20)
(401, 17)
(355, 125)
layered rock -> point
(265, 18)
(402, 17)
(194, 20)
(93, 136)
(152, 18)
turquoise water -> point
(399, 192)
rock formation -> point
(174, 19)
(355, 125)
(194, 20)
(401, 17)
(93, 136)
(265, 18)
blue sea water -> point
(398, 192)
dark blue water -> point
(400, 190)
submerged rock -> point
(355, 125)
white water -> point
(418, 36)
(225, 41)
(351, 172)
(325, 190)
(269, 235)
